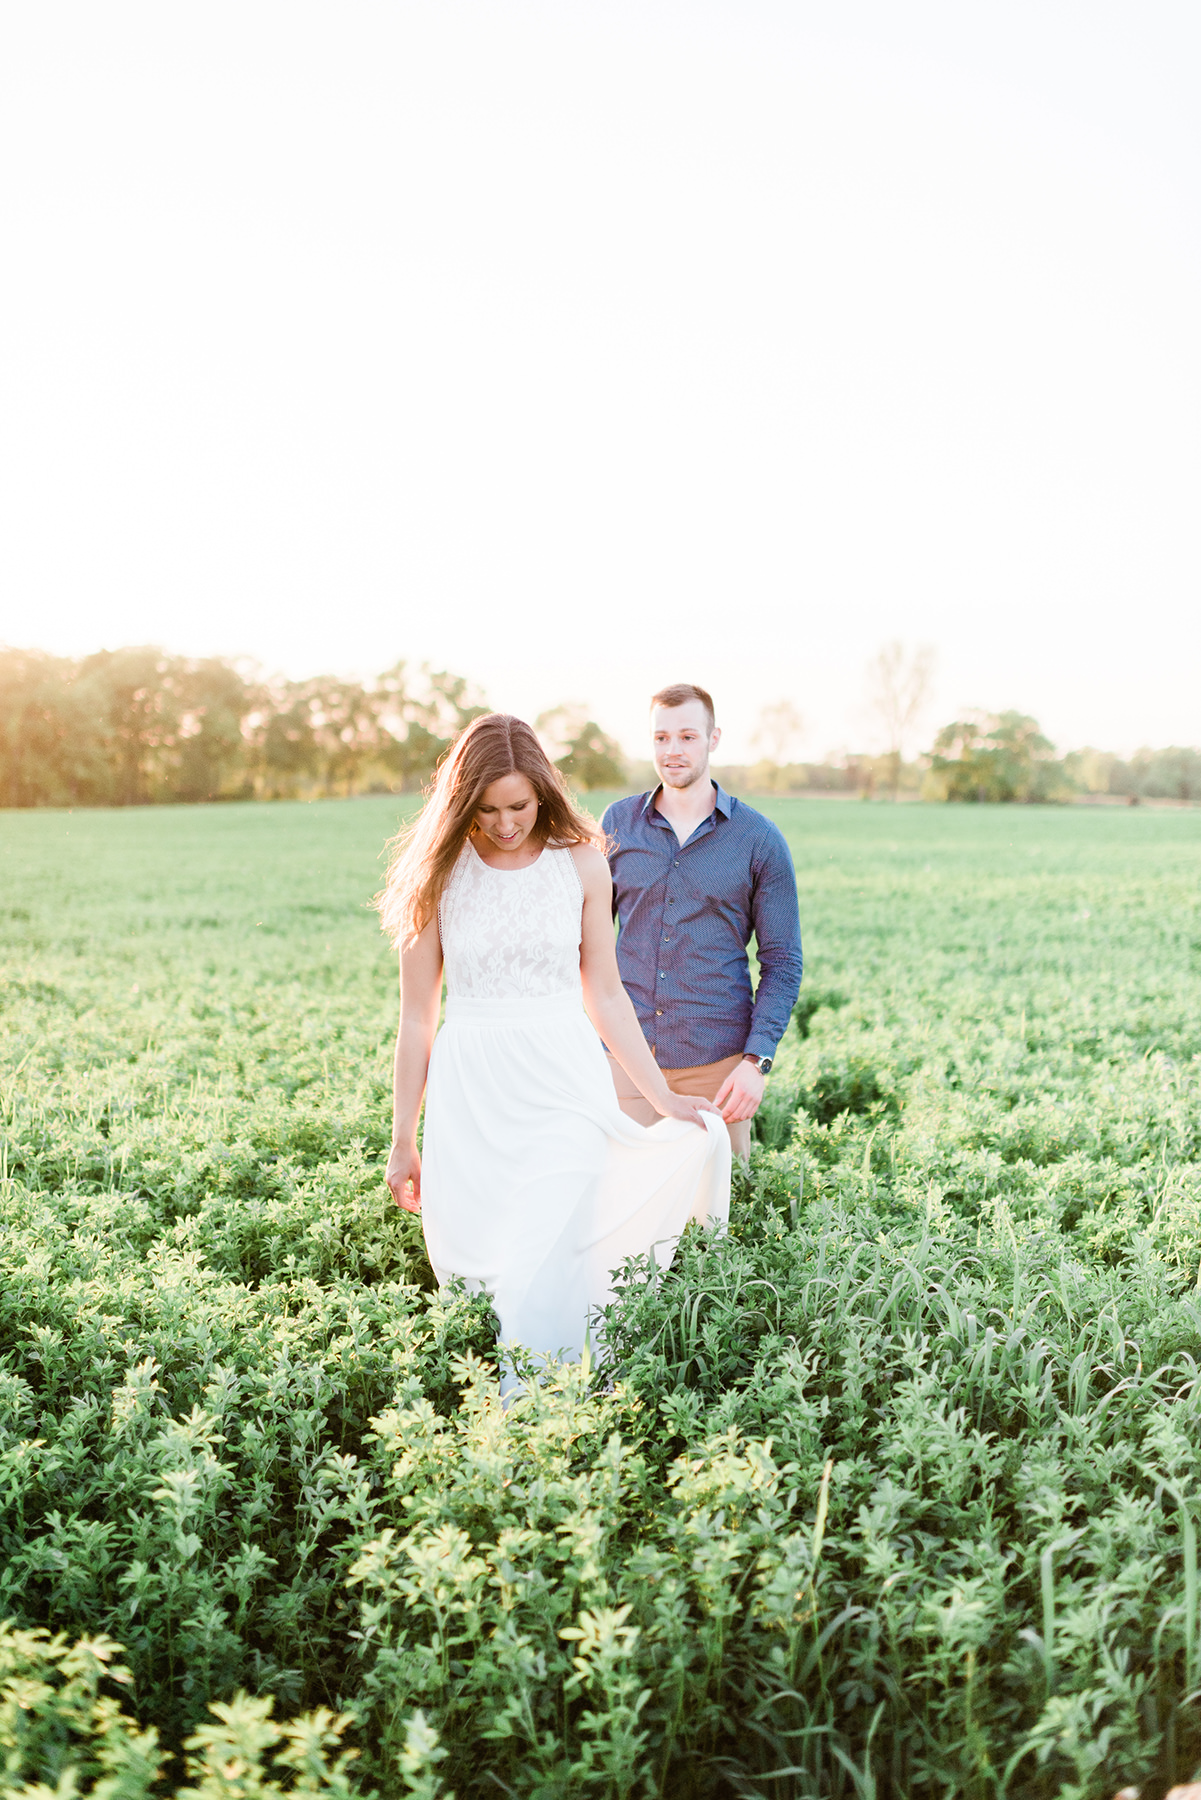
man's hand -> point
(740, 1093)
(403, 1176)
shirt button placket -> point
(666, 935)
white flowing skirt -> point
(535, 1185)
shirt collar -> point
(721, 801)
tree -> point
(128, 726)
(588, 757)
(1093, 771)
(1171, 774)
(779, 731)
(997, 757)
(338, 721)
(134, 700)
(215, 702)
(420, 716)
(122, 727)
(286, 739)
(898, 689)
(50, 752)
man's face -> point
(681, 743)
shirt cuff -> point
(758, 1045)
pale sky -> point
(587, 345)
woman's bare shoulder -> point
(592, 866)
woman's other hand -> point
(403, 1176)
(688, 1107)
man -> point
(694, 874)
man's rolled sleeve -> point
(777, 921)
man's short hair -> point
(680, 693)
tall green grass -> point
(893, 1490)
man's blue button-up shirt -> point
(686, 913)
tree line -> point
(982, 756)
(988, 757)
(138, 725)
(1006, 757)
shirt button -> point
(658, 1012)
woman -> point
(535, 1184)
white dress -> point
(535, 1185)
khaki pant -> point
(703, 1081)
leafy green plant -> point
(891, 1489)
(812, 999)
(62, 1735)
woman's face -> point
(506, 812)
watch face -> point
(764, 1064)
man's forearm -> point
(775, 997)
(776, 919)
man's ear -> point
(715, 739)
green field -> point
(892, 1491)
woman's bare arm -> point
(608, 1004)
(420, 998)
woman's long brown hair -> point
(424, 853)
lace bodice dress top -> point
(512, 934)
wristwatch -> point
(762, 1063)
